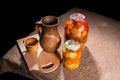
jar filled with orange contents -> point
(72, 51)
(76, 27)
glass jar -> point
(72, 51)
(76, 27)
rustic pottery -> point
(47, 28)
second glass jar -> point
(72, 52)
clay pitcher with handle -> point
(47, 29)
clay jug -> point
(47, 29)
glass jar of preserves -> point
(76, 27)
(72, 51)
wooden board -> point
(42, 61)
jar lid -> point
(77, 17)
(72, 45)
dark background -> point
(18, 17)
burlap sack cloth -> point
(86, 71)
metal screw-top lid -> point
(77, 17)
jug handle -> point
(38, 28)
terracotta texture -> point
(49, 37)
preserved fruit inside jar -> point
(76, 27)
(72, 51)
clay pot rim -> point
(50, 25)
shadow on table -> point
(13, 76)
(87, 70)
(13, 71)
(23, 70)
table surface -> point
(103, 45)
